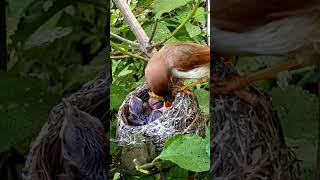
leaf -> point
(117, 96)
(297, 110)
(24, 107)
(187, 151)
(203, 100)
(35, 17)
(164, 6)
(162, 32)
(200, 15)
(41, 38)
(192, 29)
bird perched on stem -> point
(288, 29)
(181, 60)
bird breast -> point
(195, 73)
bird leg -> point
(229, 86)
(187, 87)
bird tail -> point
(204, 54)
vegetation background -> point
(159, 19)
(53, 47)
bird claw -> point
(178, 89)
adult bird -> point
(182, 60)
(287, 29)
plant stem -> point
(117, 47)
(141, 36)
(3, 37)
(181, 25)
(120, 57)
(154, 28)
(127, 41)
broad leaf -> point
(188, 151)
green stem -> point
(181, 25)
(154, 28)
(117, 47)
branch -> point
(181, 25)
(117, 47)
(3, 37)
(141, 36)
(127, 41)
(120, 57)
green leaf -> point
(203, 100)
(162, 32)
(35, 17)
(188, 151)
(200, 15)
(297, 110)
(192, 29)
(117, 96)
(24, 107)
(42, 38)
(164, 6)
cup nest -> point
(183, 117)
(248, 142)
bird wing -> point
(187, 56)
(245, 15)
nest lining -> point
(184, 116)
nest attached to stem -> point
(247, 142)
(183, 117)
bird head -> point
(158, 76)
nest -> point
(184, 116)
(45, 160)
(247, 142)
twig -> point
(3, 37)
(127, 41)
(117, 47)
(154, 28)
(141, 36)
(120, 57)
(181, 25)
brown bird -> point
(288, 29)
(181, 60)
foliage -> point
(128, 74)
(297, 107)
(54, 47)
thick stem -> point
(3, 37)
(142, 37)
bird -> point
(141, 113)
(137, 111)
(84, 145)
(180, 60)
(155, 114)
(286, 29)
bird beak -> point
(166, 104)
